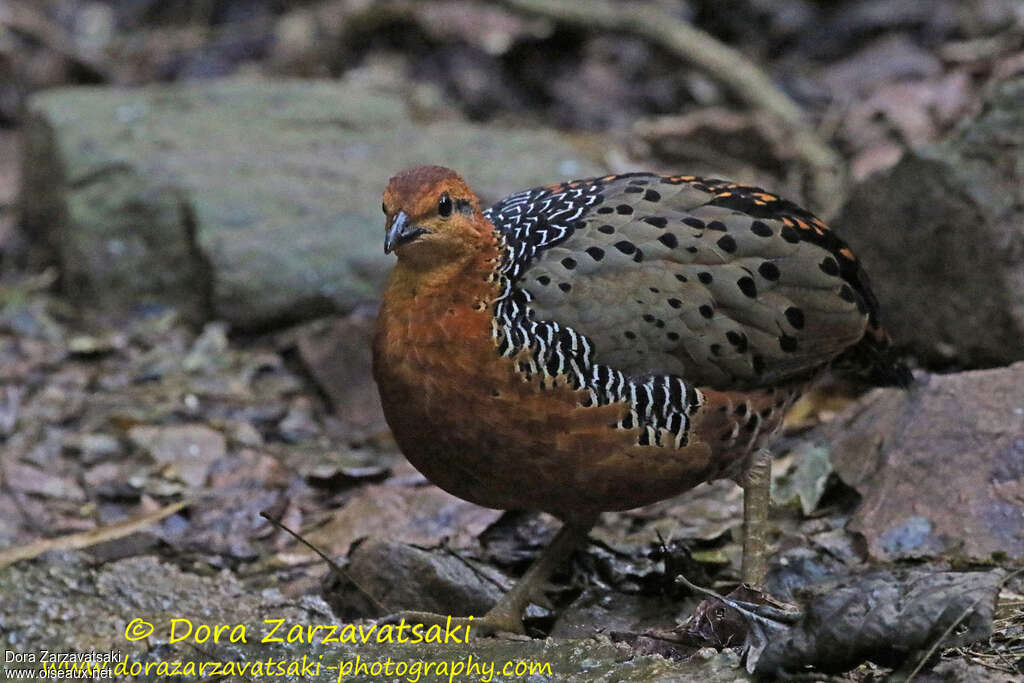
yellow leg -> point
(507, 614)
(756, 503)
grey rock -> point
(942, 234)
(403, 577)
(940, 468)
(254, 202)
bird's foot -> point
(506, 617)
(747, 615)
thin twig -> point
(86, 539)
(476, 571)
(330, 562)
(766, 614)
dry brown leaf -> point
(422, 516)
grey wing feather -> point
(662, 281)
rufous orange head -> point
(432, 217)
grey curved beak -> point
(400, 232)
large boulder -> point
(251, 201)
(942, 234)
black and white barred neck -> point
(545, 351)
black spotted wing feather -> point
(724, 285)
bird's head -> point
(432, 217)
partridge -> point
(606, 343)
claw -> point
(507, 615)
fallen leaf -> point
(884, 617)
(421, 515)
(336, 351)
(806, 479)
(33, 480)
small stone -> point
(36, 481)
(118, 492)
(92, 448)
(246, 435)
(189, 449)
(209, 351)
(403, 576)
(299, 424)
(85, 345)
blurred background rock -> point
(877, 82)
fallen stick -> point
(86, 539)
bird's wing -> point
(724, 285)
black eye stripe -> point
(444, 205)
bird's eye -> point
(444, 206)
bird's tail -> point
(871, 360)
